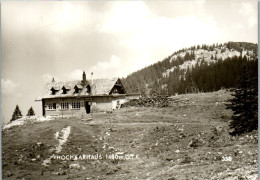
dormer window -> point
(65, 89)
(78, 88)
(88, 89)
(54, 90)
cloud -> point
(100, 70)
(47, 77)
(113, 67)
(199, 1)
(144, 29)
(252, 21)
(249, 12)
(167, 33)
(113, 63)
(70, 17)
(151, 37)
(74, 75)
(8, 86)
(125, 17)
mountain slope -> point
(188, 140)
(199, 68)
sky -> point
(60, 39)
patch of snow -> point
(62, 137)
(47, 161)
(182, 54)
(46, 118)
(111, 147)
(206, 55)
(164, 86)
(167, 72)
(56, 135)
(104, 146)
(189, 64)
(74, 166)
(21, 121)
(17, 122)
(174, 57)
(227, 53)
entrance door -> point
(87, 107)
(43, 107)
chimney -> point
(84, 80)
(92, 79)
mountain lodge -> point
(78, 98)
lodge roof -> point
(99, 87)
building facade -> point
(78, 98)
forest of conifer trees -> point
(203, 77)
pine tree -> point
(30, 112)
(244, 105)
(16, 114)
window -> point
(54, 90)
(64, 105)
(78, 88)
(65, 89)
(75, 105)
(52, 106)
(88, 89)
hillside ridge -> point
(167, 76)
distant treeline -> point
(212, 77)
(203, 77)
